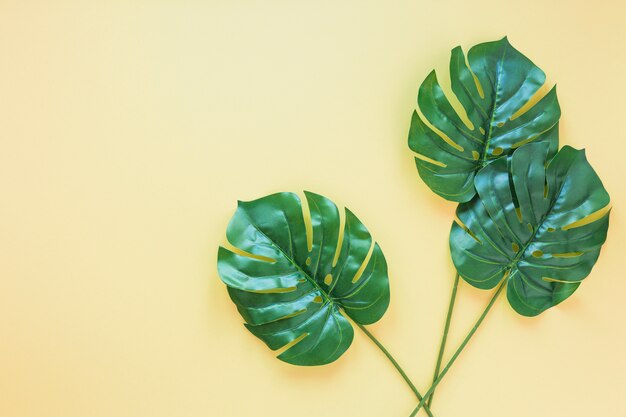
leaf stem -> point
(422, 402)
(397, 366)
(444, 338)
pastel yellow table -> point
(128, 130)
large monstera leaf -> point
(527, 225)
(494, 92)
(292, 290)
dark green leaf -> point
(497, 84)
(289, 292)
(520, 227)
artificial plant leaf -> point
(495, 92)
(525, 226)
(291, 289)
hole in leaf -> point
(328, 279)
(497, 151)
(482, 130)
(530, 227)
(317, 299)
(518, 211)
(515, 247)
(308, 261)
(538, 253)
(294, 314)
(551, 229)
(567, 254)
(525, 141)
(475, 155)
(545, 190)
(500, 124)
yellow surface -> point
(129, 130)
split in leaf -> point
(291, 288)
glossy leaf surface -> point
(292, 289)
(521, 227)
(494, 92)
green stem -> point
(422, 402)
(397, 366)
(444, 338)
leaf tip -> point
(457, 48)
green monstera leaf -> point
(292, 289)
(531, 224)
(495, 92)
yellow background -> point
(129, 129)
